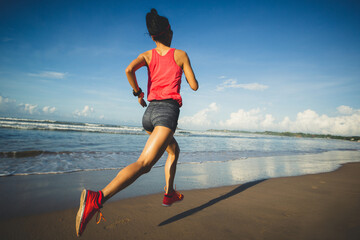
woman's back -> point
(181, 59)
(164, 77)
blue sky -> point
(261, 65)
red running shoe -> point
(171, 198)
(90, 203)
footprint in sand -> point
(117, 222)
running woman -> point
(165, 67)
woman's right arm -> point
(130, 74)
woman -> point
(165, 67)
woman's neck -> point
(161, 48)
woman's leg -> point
(173, 151)
(155, 147)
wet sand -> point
(316, 206)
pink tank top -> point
(164, 77)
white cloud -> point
(257, 119)
(29, 108)
(243, 120)
(252, 86)
(310, 121)
(11, 108)
(85, 112)
(268, 121)
(200, 119)
(307, 121)
(3, 100)
(47, 74)
(48, 109)
(7, 104)
(346, 110)
(232, 83)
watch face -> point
(136, 94)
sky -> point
(261, 65)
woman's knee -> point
(174, 153)
(173, 149)
(145, 166)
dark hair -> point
(157, 26)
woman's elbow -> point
(195, 86)
(129, 70)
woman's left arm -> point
(182, 59)
(130, 74)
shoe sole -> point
(169, 205)
(80, 213)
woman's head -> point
(159, 27)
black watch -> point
(136, 94)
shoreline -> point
(313, 206)
(26, 192)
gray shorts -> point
(161, 113)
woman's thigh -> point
(156, 145)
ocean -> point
(29, 147)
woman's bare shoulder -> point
(180, 57)
(147, 56)
(180, 53)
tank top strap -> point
(171, 52)
(155, 55)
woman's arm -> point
(130, 74)
(185, 64)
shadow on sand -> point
(192, 211)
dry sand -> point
(318, 206)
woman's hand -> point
(141, 100)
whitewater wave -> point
(29, 124)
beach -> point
(313, 206)
(236, 185)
